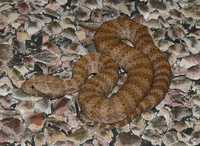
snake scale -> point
(148, 75)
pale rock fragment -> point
(23, 7)
(82, 13)
(164, 44)
(71, 34)
(54, 135)
(64, 143)
(128, 139)
(196, 100)
(193, 72)
(180, 113)
(181, 83)
(178, 50)
(197, 125)
(176, 32)
(7, 102)
(53, 28)
(179, 126)
(157, 4)
(3, 22)
(67, 23)
(103, 137)
(190, 60)
(153, 136)
(179, 143)
(195, 139)
(137, 126)
(40, 138)
(53, 5)
(34, 27)
(81, 35)
(79, 136)
(92, 4)
(170, 138)
(12, 17)
(62, 2)
(166, 113)
(5, 85)
(159, 124)
(43, 105)
(196, 111)
(5, 54)
(12, 127)
(193, 44)
(148, 115)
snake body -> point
(148, 75)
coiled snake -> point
(148, 75)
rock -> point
(193, 72)
(164, 44)
(79, 136)
(159, 124)
(181, 83)
(43, 105)
(36, 121)
(193, 44)
(178, 50)
(176, 32)
(81, 35)
(53, 135)
(190, 60)
(62, 2)
(128, 139)
(190, 9)
(3, 22)
(93, 4)
(166, 113)
(82, 13)
(196, 100)
(149, 115)
(23, 7)
(179, 125)
(137, 126)
(157, 4)
(153, 136)
(34, 27)
(195, 139)
(54, 28)
(12, 127)
(64, 143)
(181, 112)
(170, 138)
(196, 111)
(179, 144)
(67, 23)
(5, 53)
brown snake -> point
(148, 75)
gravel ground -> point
(47, 36)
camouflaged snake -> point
(148, 75)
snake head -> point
(29, 87)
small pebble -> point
(181, 112)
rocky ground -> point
(47, 36)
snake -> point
(96, 74)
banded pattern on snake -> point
(148, 75)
